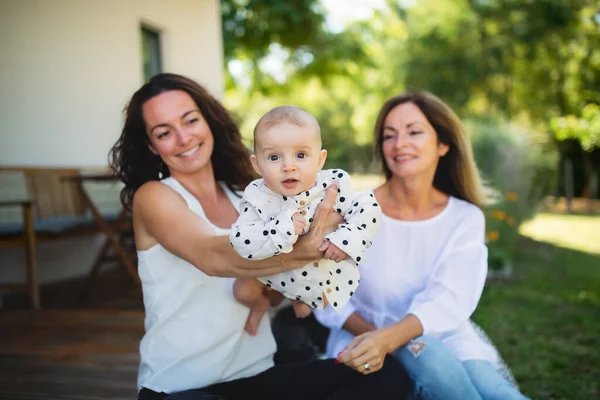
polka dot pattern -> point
(265, 228)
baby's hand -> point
(299, 223)
(332, 252)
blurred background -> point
(524, 75)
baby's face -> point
(288, 157)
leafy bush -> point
(518, 173)
(502, 223)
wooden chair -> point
(28, 239)
(50, 208)
(54, 204)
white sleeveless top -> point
(194, 326)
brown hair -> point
(456, 173)
(133, 162)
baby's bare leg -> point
(303, 310)
(300, 309)
(249, 292)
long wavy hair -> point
(456, 173)
(132, 161)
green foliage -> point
(443, 48)
(544, 45)
(585, 129)
(512, 159)
(256, 31)
(518, 176)
(251, 26)
(502, 220)
(521, 61)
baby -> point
(278, 208)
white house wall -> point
(68, 67)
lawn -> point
(575, 232)
(546, 320)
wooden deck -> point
(76, 347)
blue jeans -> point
(438, 375)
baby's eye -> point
(273, 157)
(302, 155)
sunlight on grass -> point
(571, 231)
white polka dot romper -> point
(264, 229)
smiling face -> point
(288, 157)
(410, 145)
(178, 132)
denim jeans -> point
(438, 375)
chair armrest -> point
(26, 213)
(11, 203)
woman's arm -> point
(388, 338)
(454, 287)
(357, 325)
(161, 213)
(248, 236)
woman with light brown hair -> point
(423, 277)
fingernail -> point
(340, 353)
(337, 361)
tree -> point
(586, 131)
(292, 31)
(442, 52)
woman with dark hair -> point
(183, 163)
(423, 277)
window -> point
(150, 53)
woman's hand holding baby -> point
(325, 221)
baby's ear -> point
(322, 158)
(255, 164)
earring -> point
(160, 174)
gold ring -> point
(367, 366)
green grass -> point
(546, 320)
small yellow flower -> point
(493, 236)
(499, 215)
(512, 196)
(511, 221)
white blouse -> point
(434, 269)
